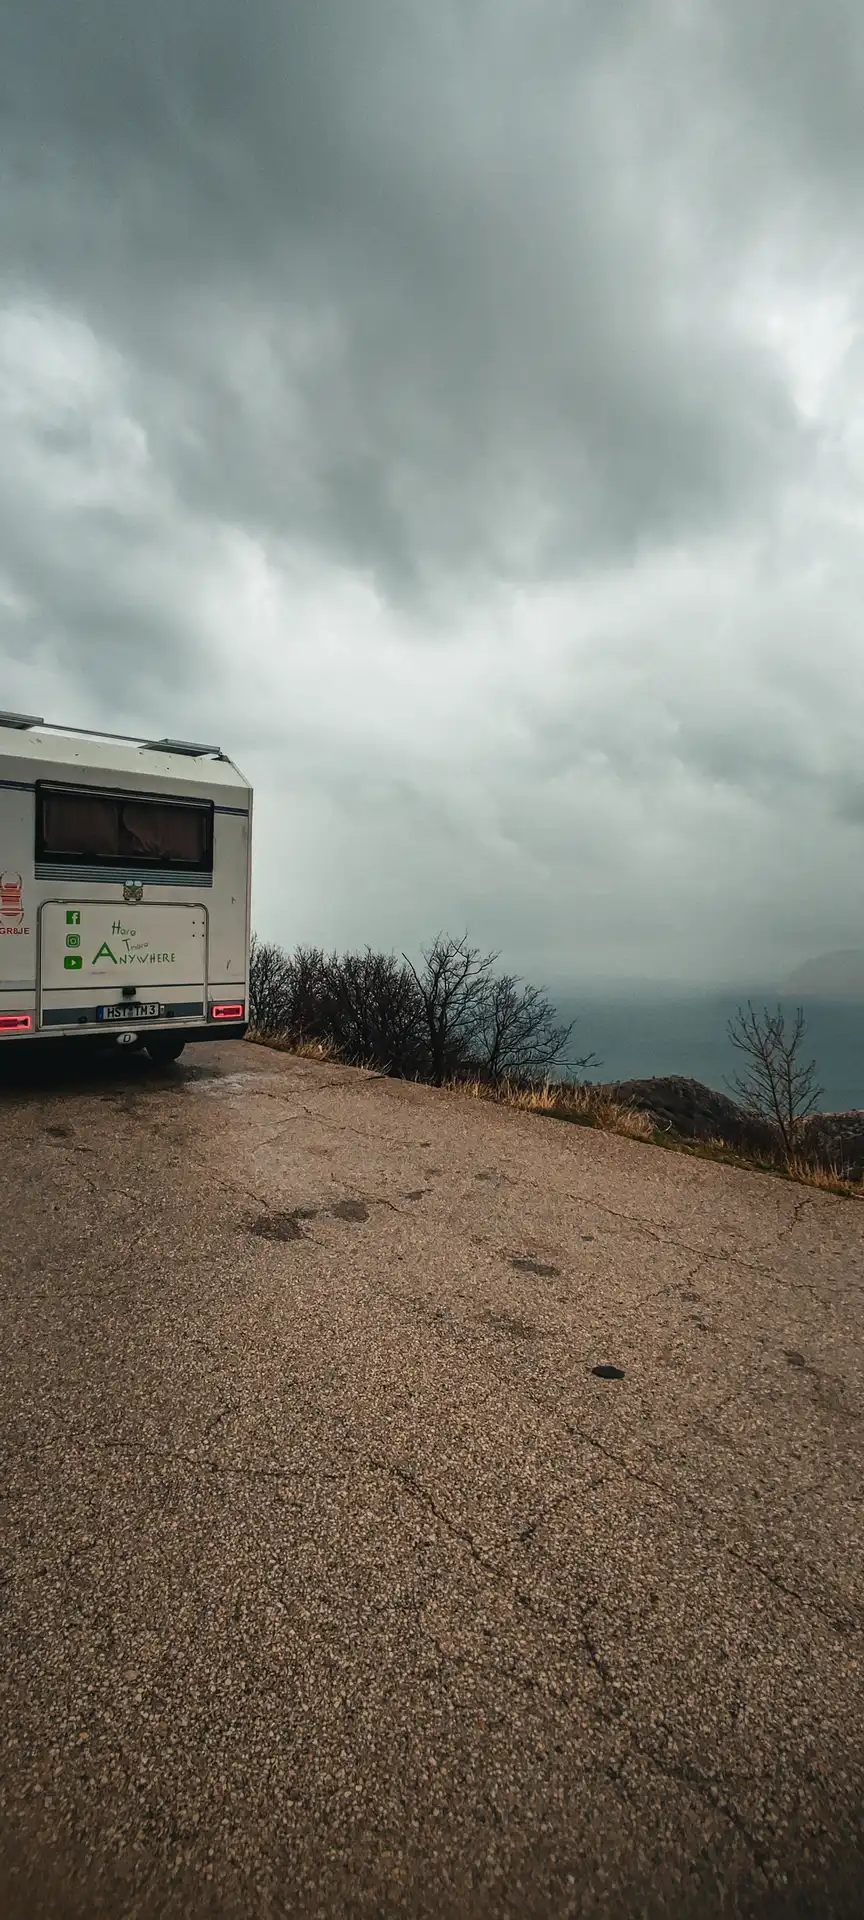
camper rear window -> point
(106, 829)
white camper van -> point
(124, 889)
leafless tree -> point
(775, 1086)
(371, 1010)
(285, 989)
(448, 1018)
(514, 1032)
(308, 970)
(269, 987)
(451, 986)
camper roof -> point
(84, 753)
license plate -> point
(133, 1010)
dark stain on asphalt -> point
(59, 1133)
(350, 1210)
(278, 1226)
(794, 1359)
(417, 1194)
(608, 1373)
(286, 1226)
(423, 1311)
(524, 1264)
(514, 1327)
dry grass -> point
(807, 1173)
(830, 1177)
(304, 1049)
(588, 1106)
(585, 1105)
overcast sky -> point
(455, 410)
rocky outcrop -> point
(687, 1108)
(695, 1112)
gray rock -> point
(692, 1111)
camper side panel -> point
(229, 907)
(18, 901)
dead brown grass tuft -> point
(829, 1177)
(296, 1044)
(586, 1105)
(590, 1106)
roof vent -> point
(21, 721)
(180, 746)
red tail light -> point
(15, 1022)
(230, 1010)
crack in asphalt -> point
(209, 1465)
(840, 1623)
(532, 1527)
(311, 1114)
(233, 1186)
(797, 1210)
(613, 1706)
(379, 1200)
(706, 1255)
(703, 1787)
(617, 1708)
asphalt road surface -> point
(336, 1579)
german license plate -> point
(133, 1010)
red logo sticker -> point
(11, 908)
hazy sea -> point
(640, 1033)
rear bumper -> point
(214, 1030)
(106, 1035)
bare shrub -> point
(449, 1017)
(269, 987)
(775, 1087)
(451, 986)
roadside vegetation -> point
(453, 1021)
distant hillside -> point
(831, 976)
(695, 1112)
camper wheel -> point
(163, 1048)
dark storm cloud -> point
(454, 408)
(389, 278)
(798, 73)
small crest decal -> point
(11, 906)
(133, 889)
